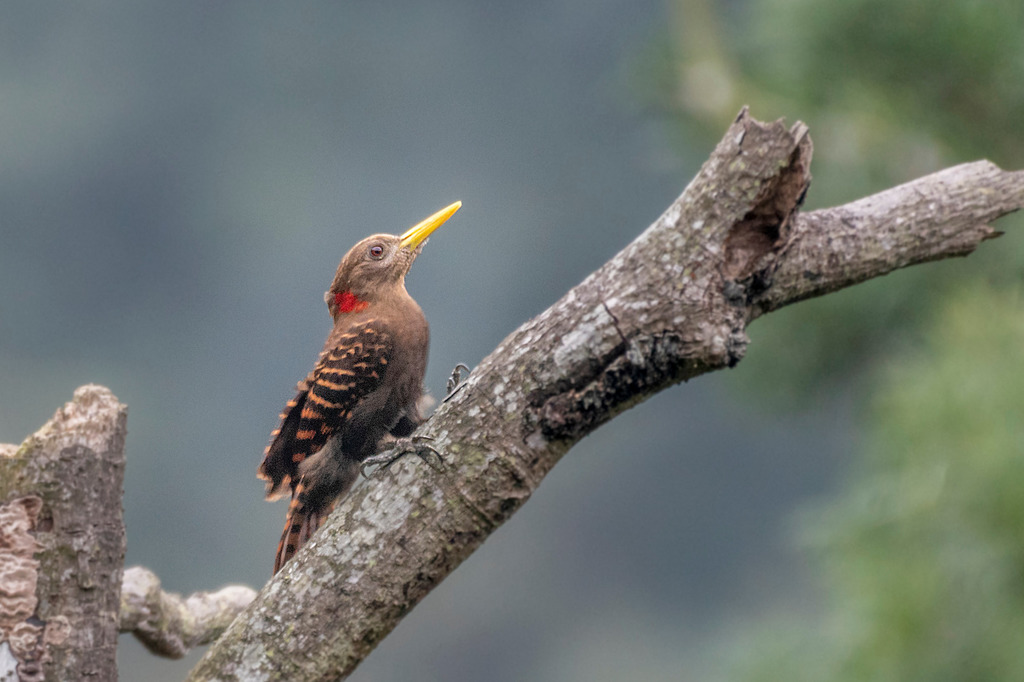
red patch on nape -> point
(348, 302)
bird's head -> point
(376, 267)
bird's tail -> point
(299, 525)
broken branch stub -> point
(62, 543)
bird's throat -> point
(348, 302)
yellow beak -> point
(419, 232)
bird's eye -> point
(376, 251)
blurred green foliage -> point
(923, 554)
(950, 69)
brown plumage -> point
(364, 388)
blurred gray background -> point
(179, 181)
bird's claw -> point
(399, 448)
(456, 381)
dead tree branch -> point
(167, 624)
(673, 304)
(62, 543)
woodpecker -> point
(364, 388)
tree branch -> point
(62, 543)
(938, 216)
(672, 305)
(167, 624)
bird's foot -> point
(456, 381)
(399, 448)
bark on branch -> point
(170, 626)
(673, 304)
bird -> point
(365, 389)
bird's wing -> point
(351, 365)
